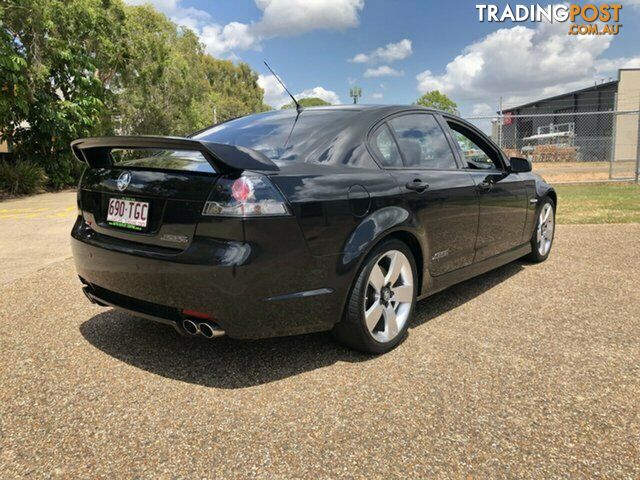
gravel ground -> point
(530, 371)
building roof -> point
(592, 88)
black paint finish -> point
(261, 277)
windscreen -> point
(180, 160)
(281, 135)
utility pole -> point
(355, 93)
(215, 115)
(614, 121)
(638, 148)
(500, 125)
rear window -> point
(180, 160)
(281, 135)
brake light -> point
(247, 195)
(242, 189)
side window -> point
(386, 147)
(474, 153)
(422, 142)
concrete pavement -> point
(34, 232)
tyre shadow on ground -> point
(229, 364)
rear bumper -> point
(252, 290)
(153, 312)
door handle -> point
(417, 185)
(485, 186)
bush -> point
(61, 172)
(21, 178)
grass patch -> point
(599, 203)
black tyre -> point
(542, 238)
(382, 300)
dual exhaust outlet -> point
(206, 329)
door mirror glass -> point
(520, 165)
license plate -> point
(127, 213)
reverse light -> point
(249, 195)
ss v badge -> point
(439, 255)
(175, 238)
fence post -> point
(500, 120)
(638, 149)
(614, 121)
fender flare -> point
(374, 228)
(544, 189)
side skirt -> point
(439, 283)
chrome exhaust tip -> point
(190, 327)
(209, 330)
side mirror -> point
(520, 165)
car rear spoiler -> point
(96, 151)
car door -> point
(503, 195)
(439, 194)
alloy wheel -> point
(388, 296)
(544, 235)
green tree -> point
(55, 57)
(162, 88)
(435, 99)
(307, 102)
(234, 89)
(71, 69)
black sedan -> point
(290, 222)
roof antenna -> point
(298, 106)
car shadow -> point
(230, 364)
(461, 293)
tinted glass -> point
(181, 160)
(422, 142)
(473, 154)
(387, 148)
(281, 135)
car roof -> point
(351, 124)
(369, 107)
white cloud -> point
(293, 17)
(219, 40)
(162, 5)
(319, 92)
(606, 65)
(377, 95)
(275, 95)
(389, 53)
(382, 71)
(481, 109)
(279, 18)
(188, 17)
(518, 63)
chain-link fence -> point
(571, 146)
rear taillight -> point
(247, 195)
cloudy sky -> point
(397, 49)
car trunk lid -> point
(151, 190)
